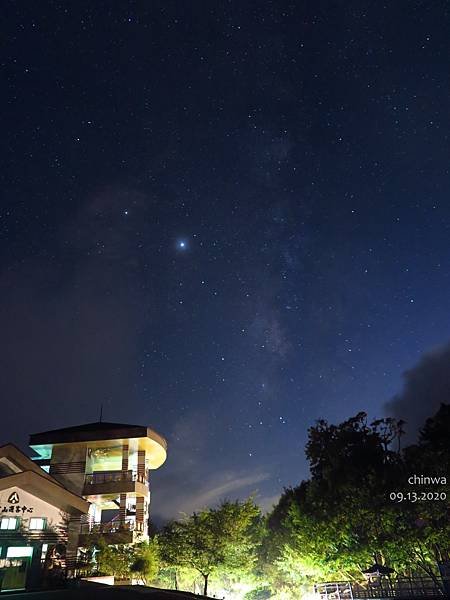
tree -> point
(225, 537)
(344, 515)
(426, 525)
(172, 544)
(434, 439)
(146, 561)
(125, 560)
(342, 519)
(114, 559)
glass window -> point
(44, 551)
(37, 523)
(19, 551)
(9, 523)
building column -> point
(73, 531)
(140, 513)
(140, 501)
(124, 458)
(123, 497)
(123, 508)
(141, 463)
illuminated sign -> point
(5, 563)
(14, 501)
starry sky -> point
(225, 220)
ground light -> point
(238, 593)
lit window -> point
(19, 551)
(44, 551)
(37, 523)
(9, 523)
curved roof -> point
(102, 432)
(95, 431)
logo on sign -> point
(14, 498)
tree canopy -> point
(225, 537)
(348, 514)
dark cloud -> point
(426, 386)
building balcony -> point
(114, 482)
(113, 532)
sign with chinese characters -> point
(13, 506)
(5, 563)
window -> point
(9, 523)
(44, 552)
(19, 551)
(37, 523)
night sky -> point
(224, 220)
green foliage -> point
(125, 561)
(226, 537)
(260, 593)
(146, 561)
(341, 520)
(114, 560)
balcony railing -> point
(114, 526)
(100, 477)
(396, 587)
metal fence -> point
(113, 477)
(384, 587)
(113, 526)
(338, 590)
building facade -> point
(108, 464)
(38, 523)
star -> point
(182, 245)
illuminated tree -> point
(425, 527)
(223, 538)
(334, 525)
(146, 561)
(114, 559)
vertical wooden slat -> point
(123, 508)
(141, 463)
(125, 458)
(139, 509)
